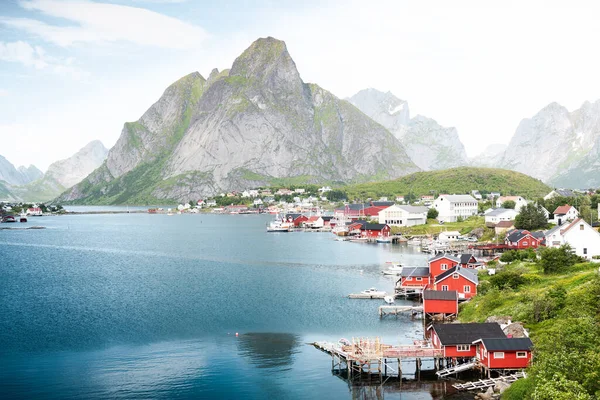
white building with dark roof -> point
(401, 215)
(450, 207)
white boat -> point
(388, 299)
(384, 239)
(393, 270)
(373, 292)
(279, 225)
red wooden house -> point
(296, 219)
(440, 302)
(374, 230)
(504, 353)
(464, 281)
(441, 263)
(456, 340)
(414, 277)
(469, 261)
(522, 239)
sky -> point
(74, 71)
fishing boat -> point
(384, 239)
(393, 270)
(373, 292)
(280, 225)
(388, 299)
(9, 218)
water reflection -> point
(268, 350)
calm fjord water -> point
(147, 306)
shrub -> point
(509, 256)
(519, 390)
(510, 279)
(432, 213)
(554, 260)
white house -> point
(559, 192)
(476, 194)
(400, 199)
(499, 214)
(397, 215)
(257, 202)
(448, 236)
(211, 203)
(300, 191)
(579, 235)
(519, 201)
(564, 214)
(450, 207)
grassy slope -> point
(454, 180)
(433, 227)
(567, 360)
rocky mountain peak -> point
(72, 170)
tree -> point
(559, 259)
(509, 204)
(336, 195)
(531, 217)
(432, 213)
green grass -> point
(433, 227)
(454, 181)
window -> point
(419, 278)
(498, 354)
(585, 250)
(444, 267)
(525, 243)
(467, 289)
(463, 347)
(581, 227)
(445, 288)
(521, 354)
(409, 278)
(484, 353)
(454, 276)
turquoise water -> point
(148, 306)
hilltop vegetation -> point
(561, 311)
(453, 181)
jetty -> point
(367, 295)
(370, 356)
(456, 369)
(395, 310)
(485, 383)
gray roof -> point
(466, 272)
(498, 211)
(415, 209)
(551, 231)
(442, 255)
(451, 334)
(460, 198)
(565, 192)
(507, 344)
(415, 271)
(440, 295)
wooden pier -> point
(485, 383)
(395, 310)
(365, 356)
(367, 296)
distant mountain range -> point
(428, 144)
(32, 185)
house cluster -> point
(444, 282)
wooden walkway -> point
(485, 383)
(367, 296)
(395, 310)
(456, 369)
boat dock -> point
(485, 383)
(395, 310)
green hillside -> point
(453, 181)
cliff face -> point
(429, 145)
(18, 176)
(241, 128)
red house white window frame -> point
(463, 347)
(498, 355)
(444, 267)
(467, 289)
(521, 354)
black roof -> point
(382, 203)
(538, 234)
(502, 344)
(451, 334)
(464, 258)
(327, 217)
(440, 295)
(293, 216)
(373, 227)
(415, 271)
(516, 235)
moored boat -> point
(388, 299)
(393, 270)
(384, 239)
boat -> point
(9, 218)
(373, 292)
(279, 225)
(393, 270)
(384, 239)
(22, 218)
(388, 299)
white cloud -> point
(36, 57)
(104, 23)
(3, 92)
